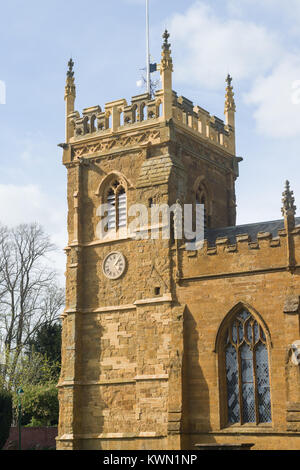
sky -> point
(258, 43)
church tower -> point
(123, 375)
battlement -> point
(201, 122)
(119, 116)
(225, 245)
(229, 238)
(223, 253)
(144, 110)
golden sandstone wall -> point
(142, 357)
(213, 285)
(117, 334)
(142, 371)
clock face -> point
(114, 265)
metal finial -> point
(70, 72)
(228, 80)
(166, 45)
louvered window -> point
(122, 209)
(247, 372)
(117, 212)
(111, 200)
(201, 199)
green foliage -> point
(38, 377)
(33, 369)
(47, 341)
(39, 405)
(5, 416)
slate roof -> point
(251, 229)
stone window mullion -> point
(117, 199)
(240, 383)
(255, 387)
(117, 209)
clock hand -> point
(118, 259)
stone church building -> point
(164, 347)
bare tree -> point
(29, 294)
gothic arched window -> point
(117, 200)
(247, 371)
(201, 199)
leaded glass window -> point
(247, 371)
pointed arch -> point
(243, 348)
(232, 312)
(113, 190)
(106, 181)
(203, 196)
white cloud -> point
(276, 99)
(209, 46)
(264, 63)
(272, 9)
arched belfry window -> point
(202, 199)
(117, 200)
(247, 371)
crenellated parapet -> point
(117, 116)
(237, 252)
(202, 123)
(144, 110)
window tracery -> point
(247, 371)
